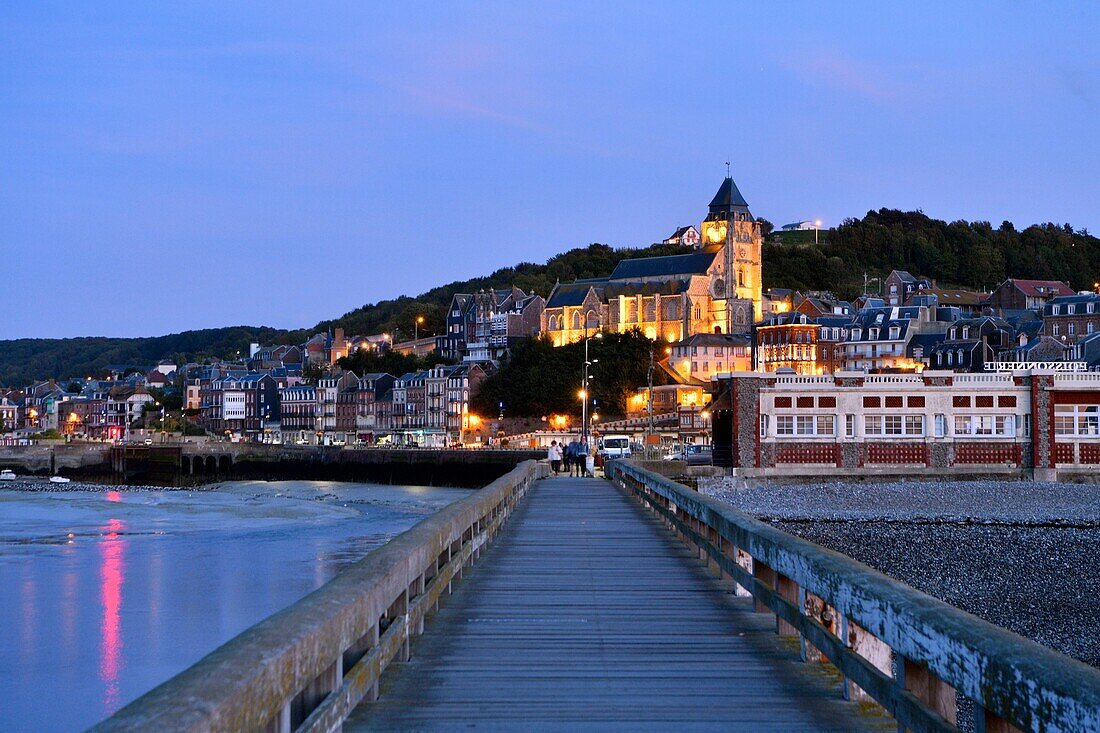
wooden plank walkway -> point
(587, 614)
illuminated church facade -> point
(676, 296)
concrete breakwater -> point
(1020, 555)
(190, 464)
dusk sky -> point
(175, 166)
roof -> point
(1040, 288)
(904, 276)
(728, 197)
(1077, 299)
(674, 286)
(790, 318)
(695, 263)
(569, 293)
(955, 297)
(718, 339)
(681, 231)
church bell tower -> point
(730, 227)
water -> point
(105, 594)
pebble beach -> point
(1021, 555)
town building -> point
(1015, 295)
(9, 414)
(878, 338)
(462, 384)
(298, 407)
(451, 344)
(971, 344)
(788, 341)
(1024, 423)
(703, 355)
(369, 393)
(969, 302)
(686, 236)
(501, 319)
(831, 333)
(125, 405)
(246, 406)
(900, 285)
(329, 388)
(1068, 318)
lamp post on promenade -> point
(584, 386)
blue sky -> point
(175, 166)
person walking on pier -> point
(571, 457)
(554, 454)
(583, 458)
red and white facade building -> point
(1033, 423)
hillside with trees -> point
(955, 254)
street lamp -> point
(416, 327)
(817, 226)
(584, 387)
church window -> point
(576, 320)
(593, 321)
(740, 278)
(739, 317)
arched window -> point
(718, 329)
(576, 320)
(740, 278)
(739, 317)
(592, 320)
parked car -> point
(699, 455)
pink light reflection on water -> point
(111, 573)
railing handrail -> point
(1029, 685)
(249, 681)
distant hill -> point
(959, 254)
(25, 360)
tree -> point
(540, 379)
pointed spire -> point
(728, 198)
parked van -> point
(616, 446)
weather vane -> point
(727, 169)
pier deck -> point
(586, 613)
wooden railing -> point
(909, 652)
(308, 666)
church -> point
(677, 296)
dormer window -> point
(966, 332)
(857, 334)
(1071, 309)
(874, 334)
(895, 333)
(953, 334)
(1054, 310)
(1089, 307)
